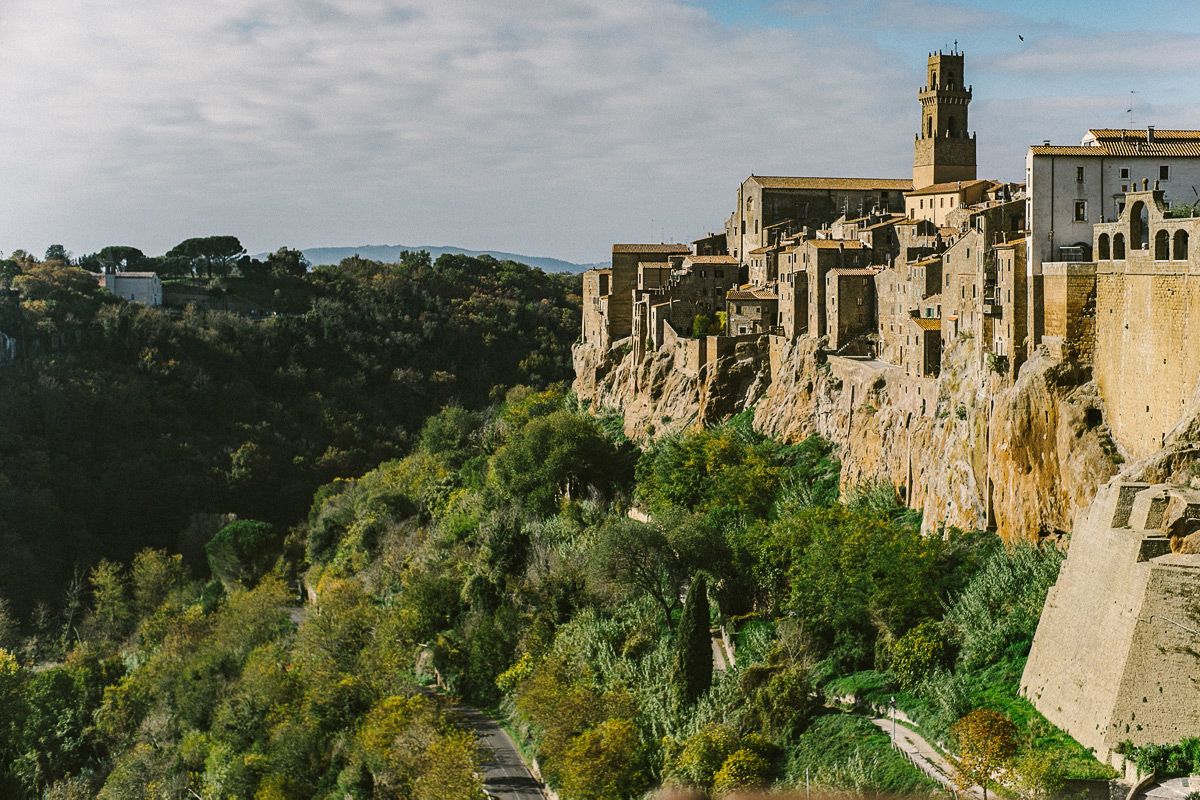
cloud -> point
(552, 126)
(547, 126)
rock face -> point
(966, 448)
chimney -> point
(1149, 133)
(1046, 142)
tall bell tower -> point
(944, 150)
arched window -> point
(1102, 246)
(1162, 246)
(929, 126)
(1139, 228)
(1180, 253)
(1118, 247)
(933, 79)
(950, 126)
(950, 79)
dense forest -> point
(126, 426)
(398, 442)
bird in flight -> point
(1019, 36)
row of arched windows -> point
(1164, 248)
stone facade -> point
(944, 149)
(1114, 657)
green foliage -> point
(1000, 607)
(242, 552)
(708, 325)
(604, 763)
(918, 652)
(693, 645)
(731, 468)
(847, 753)
(1166, 760)
(744, 769)
(246, 414)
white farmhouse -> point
(136, 287)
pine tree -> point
(693, 645)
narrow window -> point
(1164, 173)
(1125, 174)
(1081, 210)
(1079, 174)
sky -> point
(545, 127)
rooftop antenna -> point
(1130, 109)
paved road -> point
(505, 775)
(925, 757)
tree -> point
(118, 258)
(286, 261)
(634, 554)
(56, 252)
(605, 763)
(693, 645)
(986, 742)
(155, 575)
(111, 610)
(919, 652)
(242, 552)
(208, 254)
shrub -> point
(744, 769)
(918, 652)
(605, 763)
(986, 742)
(242, 552)
(1001, 605)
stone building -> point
(766, 201)
(850, 308)
(608, 299)
(937, 201)
(1006, 303)
(597, 287)
(752, 310)
(944, 149)
(816, 257)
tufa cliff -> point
(969, 449)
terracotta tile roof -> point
(655, 264)
(947, 188)
(856, 272)
(1140, 133)
(1011, 243)
(887, 223)
(711, 260)
(928, 323)
(673, 249)
(926, 261)
(1127, 149)
(846, 184)
(758, 251)
(1066, 150)
(750, 294)
(835, 244)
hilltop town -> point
(997, 351)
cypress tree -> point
(693, 645)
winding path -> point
(924, 756)
(505, 775)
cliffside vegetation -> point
(123, 423)
(496, 560)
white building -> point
(1070, 188)
(136, 287)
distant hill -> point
(391, 252)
